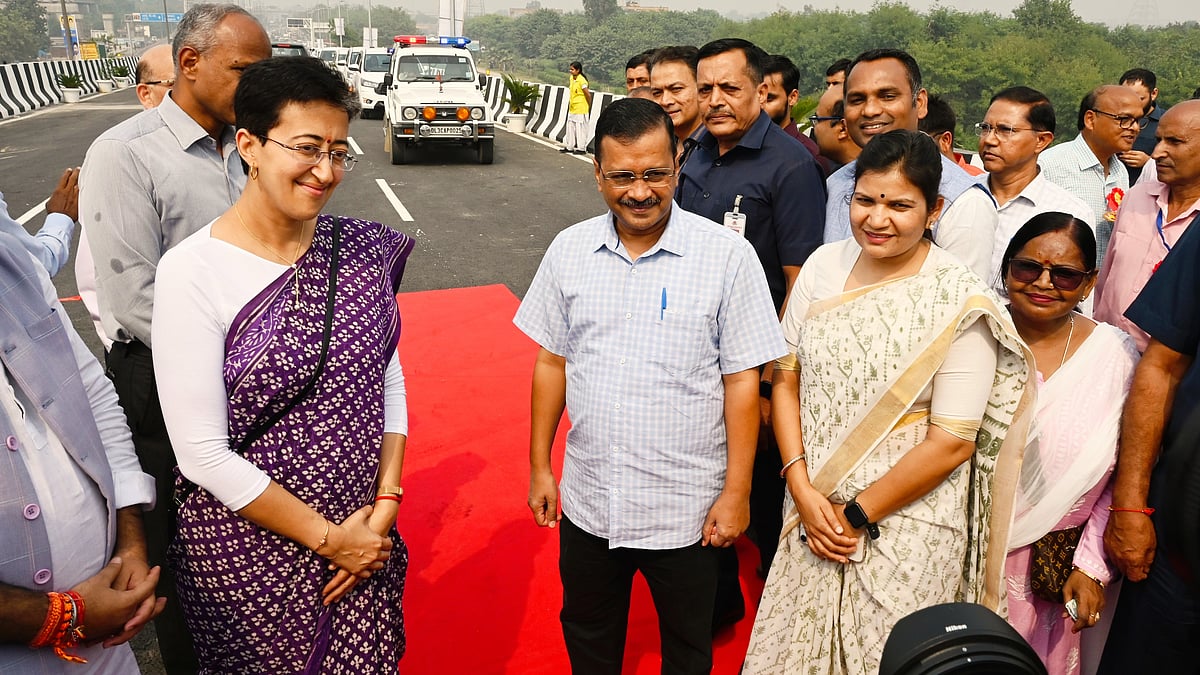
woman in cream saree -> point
(911, 393)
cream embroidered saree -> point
(865, 359)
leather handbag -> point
(1052, 562)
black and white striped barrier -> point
(548, 117)
(25, 87)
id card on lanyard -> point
(735, 219)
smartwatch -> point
(858, 518)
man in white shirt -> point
(883, 93)
(1018, 126)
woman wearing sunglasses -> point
(1084, 369)
(896, 413)
(275, 330)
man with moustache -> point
(783, 90)
(673, 86)
(1153, 216)
(1145, 84)
(652, 324)
(745, 172)
(147, 184)
(1088, 167)
(1018, 126)
(883, 92)
(829, 130)
(1156, 626)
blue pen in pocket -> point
(662, 308)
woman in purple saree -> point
(275, 334)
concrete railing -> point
(25, 87)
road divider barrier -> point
(25, 87)
(548, 117)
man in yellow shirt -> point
(578, 105)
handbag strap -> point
(260, 429)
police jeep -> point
(435, 98)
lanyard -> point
(1159, 224)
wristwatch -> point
(858, 519)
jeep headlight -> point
(409, 113)
(476, 113)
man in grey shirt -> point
(147, 184)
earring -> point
(254, 172)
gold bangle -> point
(390, 490)
(324, 537)
(1098, 582)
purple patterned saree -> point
(253, 598)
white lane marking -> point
(395, 201)
(354, 146)
(535, 139)
(28, 215)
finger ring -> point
(1095, 616)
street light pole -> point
(66, 26)
(166, 20)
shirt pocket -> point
(681, 344)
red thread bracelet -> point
(393, 498)
(1118, 509)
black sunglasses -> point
(1062, 277)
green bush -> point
(69, 81)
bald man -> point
(155, 74)
(1110, 117)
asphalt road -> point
(474, 224)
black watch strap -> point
(858, 519)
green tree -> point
(390, 21)
(1044, 16)
(22, 30)
(599, 10)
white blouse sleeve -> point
(189, 356)
(395, 398)
(962, 385)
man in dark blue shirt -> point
(1158, 613)
(749, 174)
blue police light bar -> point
(454, 41)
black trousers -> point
(766, 498)
(131, 369)
(597, 582)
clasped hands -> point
(357, 547)
(827, 532)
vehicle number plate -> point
(445, 131)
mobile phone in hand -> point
(1073, 609)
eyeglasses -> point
(1062, 277)
(1002, 131)
(813, 119)
(308, 153)
(165, 83)
(1124, 121)
(652, 177)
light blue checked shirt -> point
(1074, 167)
(646, 453)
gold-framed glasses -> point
(653, 177)
(307, 153)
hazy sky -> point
(1112, 12)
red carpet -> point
(483, 592)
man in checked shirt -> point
(652, 323)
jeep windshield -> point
(451, 68)
(377, 63)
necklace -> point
(1070, 332)
(290, 263)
